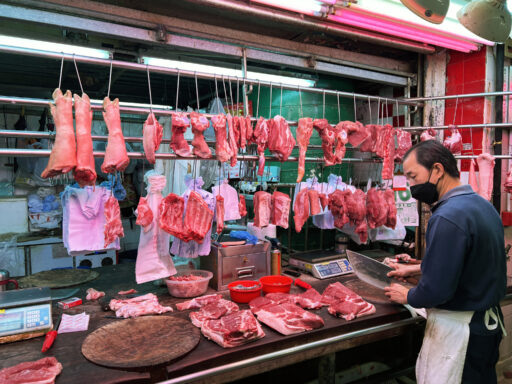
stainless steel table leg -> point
(27, 260)
(327, 369)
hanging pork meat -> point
(200, 124)
(242, 209)
(222, 150)
(485, 163)
(171, 215)
(404, 141)
(376, 208)
(219, 213)
(367, 145)
(232, 128)
(85, 172)
(473, 181)
(144, 214)
(116, 158)
(301, 209)
(63, 156)
(280, 138)
(152, 133)
(454, 141)
(429, 134)
(198, 217)
(243, 132)
(179, 145)
(328, 137)
(262, 209)
(341, 139)
(389, 197)
(261, 133)
(357, 132)
(338, 208)
(280, 209)
(249, 132)
(304, 132)
(113, 224)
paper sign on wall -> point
(407, 208)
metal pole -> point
(498, 110)
(174, 71)
(462, 126)
(462, 96)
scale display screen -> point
(329, 269)
(25, 319)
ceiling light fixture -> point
(489, 19)
(223, 71)
(53, 47)
(433, 11)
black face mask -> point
(426, 192)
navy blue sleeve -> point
(442, 265)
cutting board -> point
(368, 292)
(58, 278)
(141, 342)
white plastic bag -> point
(385, 233)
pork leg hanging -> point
(179, 145)
(63, 156)
(200, 124)
(152, 133)
(116, 158)
(85, 172)
(304, 131)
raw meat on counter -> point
(472, 176)
(404, 141)
(152, 133)
(127, 292)
(232, 129)
(304, 132)
(198, 217)
(454, 141)
(116, 157)
(171, 215)
(345, 303)
(314, 202)
(261, 133)
(280, 209)
(242, 209)
(179, 145)
(222, 150)
(310, 299)
(233, 330)
(286, 317)
(429, 134)
(63, 156)
(485, 163)
(338, 209)
(262, 208)
(144, 214)
(357, 132)
(280, 138)
(219, 213)
(85, 171)
(153, 259)
(213, 311)
(301, 209)
(198, 302)
(200, 124)
(113, 224)
(142, 305)
(93, 294)
(376, 208)
(42, 371)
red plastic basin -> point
(276, 283)
(244, 295)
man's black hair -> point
(432, 151)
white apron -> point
(443, 353)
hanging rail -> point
(460, 96)
(461, 126)
(17, 152)
(201, 75)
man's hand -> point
(397, 293)
(403, 271)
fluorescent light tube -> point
(53, 47)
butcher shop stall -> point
(212, 190)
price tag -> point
(399, 183)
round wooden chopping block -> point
(141, 342)
(368, 292)
(58, 278)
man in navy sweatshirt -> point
(462, 275)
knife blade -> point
(371, 271)
(59, 294)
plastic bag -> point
(243, 235)
(11, 260)
(385, 233)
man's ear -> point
(438, 170)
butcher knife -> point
(375, 273)
(371, 271)
(59, 294)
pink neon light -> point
(376, 24)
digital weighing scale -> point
(25, 311)
(322, 265)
